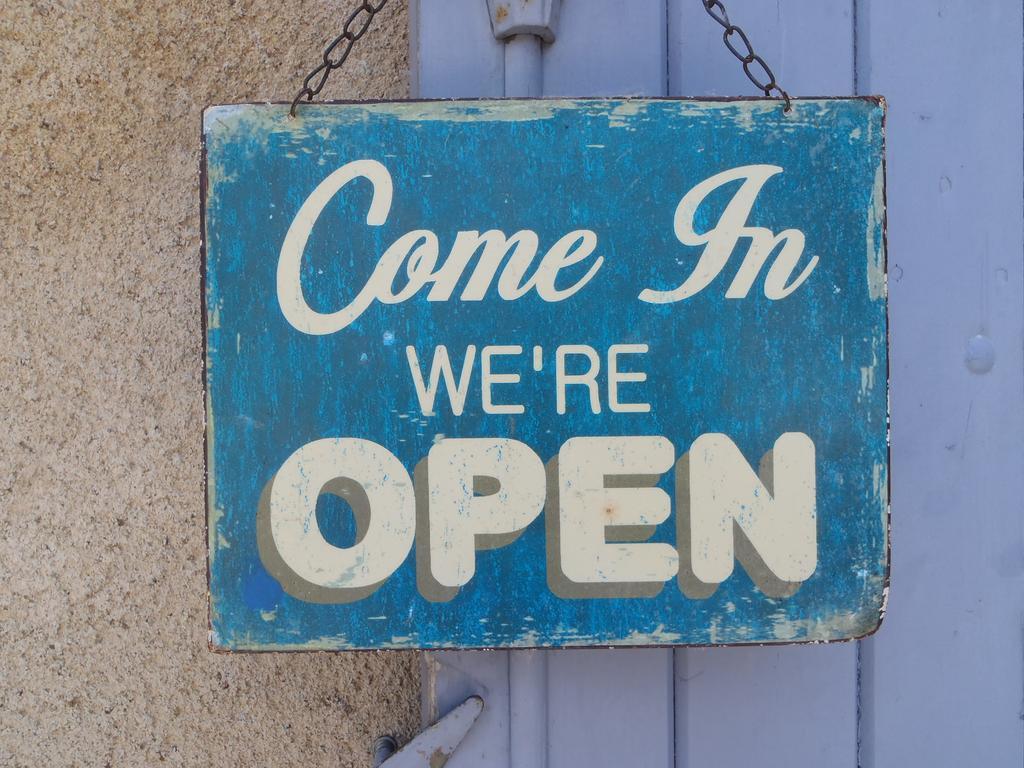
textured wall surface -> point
(103, 630)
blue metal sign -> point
(545, 373)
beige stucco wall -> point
(103, 657)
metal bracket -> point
(524, 17)
(433, 747)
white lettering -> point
(587, 379)
(419, 251)
(441, 366)
(392, 519)
(459, 517)
(615, 377)
(289, 266)
(587, 508)
(489, 378)
(721, 239)
(775, 512)
(481, 493)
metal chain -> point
(358, 22)
(736, 40)
(338, 49)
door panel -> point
(793, 706)
(941, 684)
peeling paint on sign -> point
(545, 373)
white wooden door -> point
(942, 683)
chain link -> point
(338, 49)
(754, 67)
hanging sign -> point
(545, 373)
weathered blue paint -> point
(814, 362)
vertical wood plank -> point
(807, 43)
(452, 51)
(792, 706)
(453, 54)
(528, 708)
(607, 48)
(610, 707)
(943, 678)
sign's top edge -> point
(529, 108)
(873, 98)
